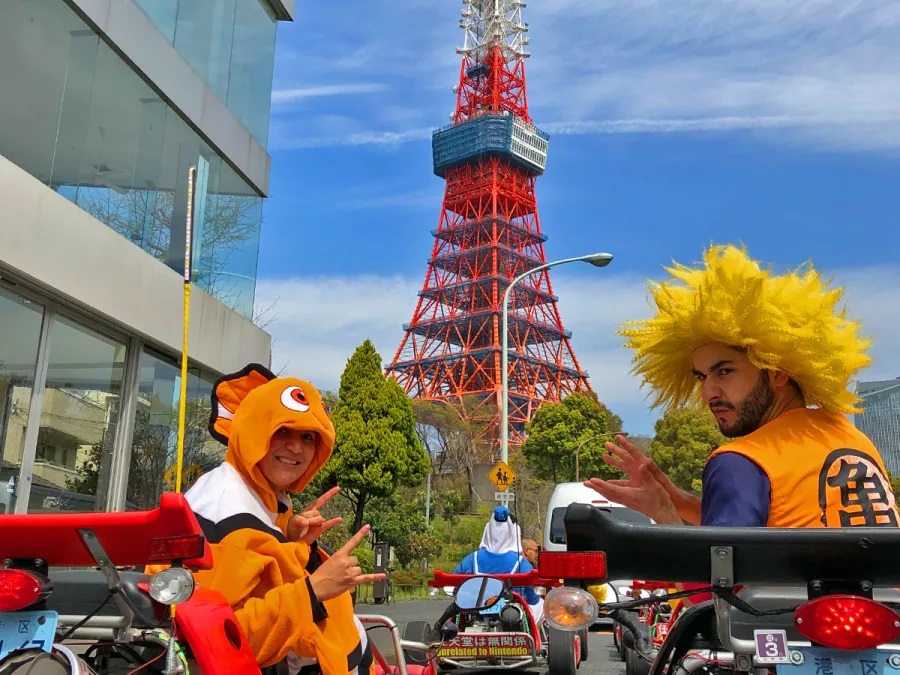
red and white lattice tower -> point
(488, 233)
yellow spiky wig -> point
(789, 323)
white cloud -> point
(818, 72)
(322, 320)
(383, 138)
(287, 95)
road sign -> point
(504, 497)
(502, 476)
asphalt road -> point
(602, 658)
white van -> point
(555, 534)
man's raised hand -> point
(341, 572)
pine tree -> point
(376, 449)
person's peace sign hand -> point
(341, 572)
(309, 524)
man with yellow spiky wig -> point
(772, 357)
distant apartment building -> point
(106, 106)
(881, 419)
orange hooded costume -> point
(263, 575)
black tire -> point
(584, 645)
(635, 664)
(623, 649)
(561, 652)
(416, 631)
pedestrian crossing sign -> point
(502, 476)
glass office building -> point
(107, 105)
(880, 420)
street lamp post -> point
(611, 434)
(596, 259)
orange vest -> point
(822, 470)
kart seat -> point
(79, 592)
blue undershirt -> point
(736, 492)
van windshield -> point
(558, 531)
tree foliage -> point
(449, 440)
(557, 430)
(376, 449)
(399, 519)
(684, 439)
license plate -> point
(821, 661)
(27, 630)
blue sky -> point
(673, 124)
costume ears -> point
(227, 394)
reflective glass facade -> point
(231, 45)
(154, 442)
(880, 420)
(78, 118)
(62, 438)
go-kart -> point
(820, 601)
(654, 620)
(497, 628)
(120, 619)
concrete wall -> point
(61, 250)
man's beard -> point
(750, 411)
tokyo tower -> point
(488, 233)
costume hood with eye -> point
(248, 410)
(264, 576)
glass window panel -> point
(153, 452)
(225, 263)
(252, 67)
(79, 415)
(231, 45)
(117, 150)
(163, 14)
(203, 36)
(21, 321)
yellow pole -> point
(182, 398)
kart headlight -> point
(172, 586)
(570, 609)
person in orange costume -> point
(291, 599)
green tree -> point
(684, 439)
(449, 440)
(452, 504)
(557, 430)
(376, 449)
(895, 484)
(399, 519)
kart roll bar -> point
(724, 557)
(119, 539)
(532, 578)
(757, 555)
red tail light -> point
(20, 589)
(847, 622)
(566, 565)
(168, 549)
